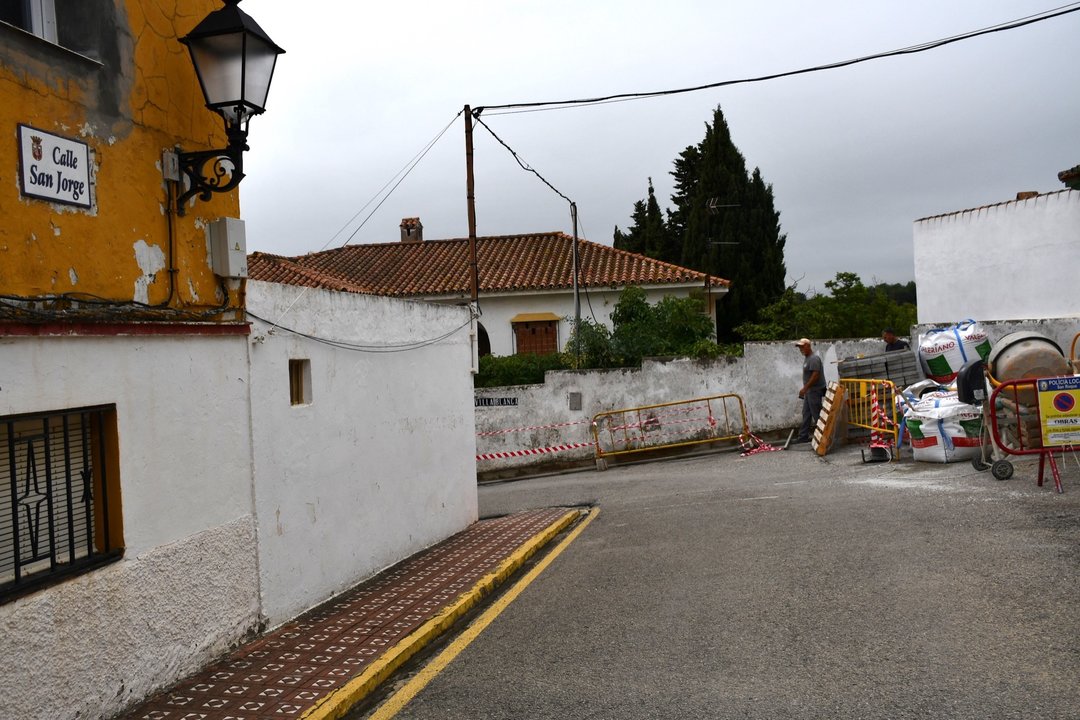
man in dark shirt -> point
(812, 391)
(892, 342)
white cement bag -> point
(943, 351)
(943, 429)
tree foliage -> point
(671, 327)
(851, 310)
(647, 235)
(738, 240)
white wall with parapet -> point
(1008, 261)
(379, 464)
(186, 588)
(767, 378)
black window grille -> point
(54, 497)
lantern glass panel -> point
(259, 69)
(219, 62)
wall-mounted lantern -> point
(234, 60)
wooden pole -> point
(577, 295)
(470, 199)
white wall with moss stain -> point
(102, 641)
(767, 378)
(186, 587)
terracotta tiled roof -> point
(506, 263)
(278, 269)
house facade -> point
(525, 282)
(127, 550)
(1008, 261)
(140, 405)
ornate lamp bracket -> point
(212, 171)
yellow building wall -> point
(138, 97)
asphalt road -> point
(787, 586)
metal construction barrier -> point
(670, 425)
(871, 404)
(1036, 416)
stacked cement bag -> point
(942, 428)
(1017, 422)
(943, 351)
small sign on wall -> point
(54, 168)
(496, 402)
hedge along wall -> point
(536, 418)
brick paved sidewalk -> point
(333, 656)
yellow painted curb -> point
(339, 702)
(411, 688)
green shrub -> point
(525, 369)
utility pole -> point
(470, 201)
(577, 296)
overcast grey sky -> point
(854, 155)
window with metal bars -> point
(539, 337)
(59, 497)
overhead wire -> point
(524, 165)
(539, 106)
(512, 108)
(585, 286)
(529, 168)
(410, 166)
(365, 347)
(404, 173)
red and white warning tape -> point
(653, 418)
(489, 433)
(877, 421)
(753, 445)
(532, 451)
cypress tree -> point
(647, 234)
(741, 242)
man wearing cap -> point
(812, 390)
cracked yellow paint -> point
(141, 98)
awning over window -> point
(534, 317)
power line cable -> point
(364, 347)
(408, 168)
(585, 286)
(403, 173)
(573, 207)
(512, 108)
(524, 165)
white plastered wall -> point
(767, 378)
(186, 588)
(1008, 261)
(380, 463)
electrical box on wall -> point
(228, 248)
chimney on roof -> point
(1027, 194)
(412, 230)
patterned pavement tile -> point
(285, 672)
